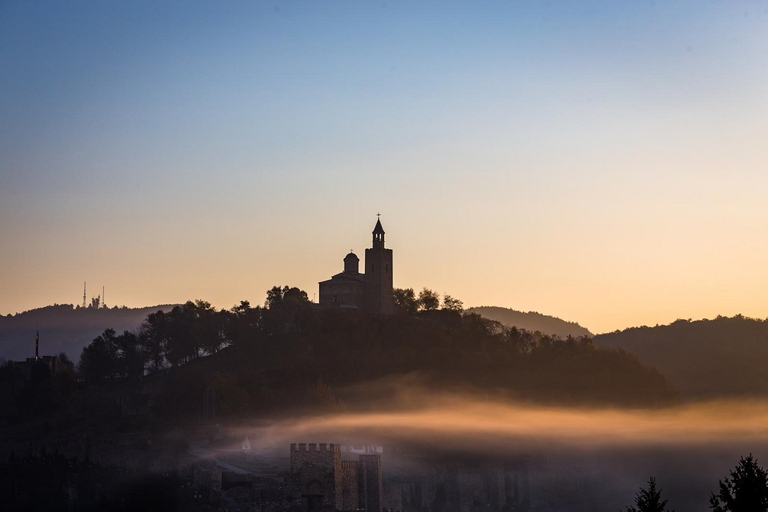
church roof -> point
(378, 228)
(345, 277)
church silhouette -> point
(370, 292)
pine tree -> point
(649, 500)
(745, 491)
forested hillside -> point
(531, 321)
(703, 358)
(294, 356)
(64, 328)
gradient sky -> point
(604, 162)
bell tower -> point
(378, 275)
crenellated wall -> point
(321, 479)
(317, 473)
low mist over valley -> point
(444, 397)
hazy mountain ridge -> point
(720, 357)
(65, 328)
(531, 321)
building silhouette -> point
(370, 292)
(51, 362)
(324, 482)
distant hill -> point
(702, 358)
(64, 328)
(531, 321)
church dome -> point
(351, 263)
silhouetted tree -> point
(452, 304)
(130, 355)
(745, 491)
(285, 297)
(208, 327)
(154, 337)
(286, 310)
(243, 323)
(110, 356)
(428, 299)
(649, 500)
(519, 340)
(98, 360)
(65, 361)
(192, 329)
(404, 299)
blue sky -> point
(599, 161)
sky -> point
(604, 162)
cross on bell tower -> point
(378, 234)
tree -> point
(428, 299)
(404, 299)
(649, 500)
(110, 356)
(131, 357)
(286, 310)
(154, 338)
(98, 361)
(745, 491)
(243, 323)
(452, 304)
(286, 296)
(64, 360)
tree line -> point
(196, 328)
(744, 490)
(184, 334)
(724, 356)
(276, 357)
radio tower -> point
(103, 300)
(83, 294)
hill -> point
(292, 357)
(702, 358)
(309, 360)
(531, 321)
(64, 328)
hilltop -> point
(531, 321)
(295, 356)
(65, 328)
(702, 358)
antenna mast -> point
(83, 294)
(103, 295)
